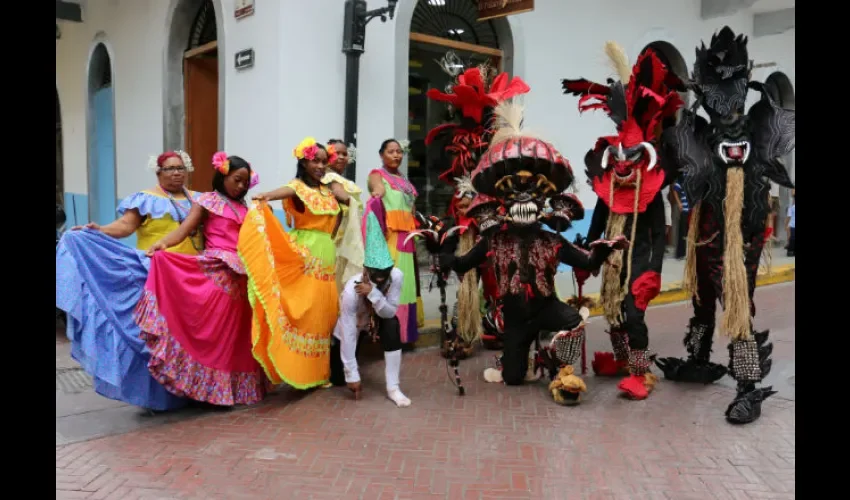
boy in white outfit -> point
(369, 303)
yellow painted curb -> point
(673, 293)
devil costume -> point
(728, 161)
(622, 171)
(514, 179)
(458, 146)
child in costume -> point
(348, 236)
(370, 303)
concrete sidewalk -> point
(495, 442)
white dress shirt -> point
(352, 306)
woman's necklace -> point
(180, 211)
(177, 207)
(403, 185)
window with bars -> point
(453, 19)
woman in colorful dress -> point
(194, 313)
(99, 280)
(393, 202)
(292, 282)
(348, 235)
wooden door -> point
(200, 77)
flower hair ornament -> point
(332, 154)
(187, 160)
(254, 179)
(307, 149)
(184, 157)
(221, 163)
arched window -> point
(437, 27)
(455, 20)
(203, 27)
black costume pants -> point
(681, 243)
(524, 320)
(389, 331)
(634, 324)
(745, 360)
(710, 279)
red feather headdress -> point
(475, 99)
(638, 104)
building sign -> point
(244, 8)
(244, 58)
(489, 9)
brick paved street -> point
(496, 442)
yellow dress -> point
(349, 237)
(161, 216)
(291, 286)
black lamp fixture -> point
(353, 45)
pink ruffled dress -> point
(195, 317)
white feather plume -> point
(463, 186)
(508, 120)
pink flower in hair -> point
(220, 162)
(254, 179)
(310, 152)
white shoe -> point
(398, 398)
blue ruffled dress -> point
(99, 281)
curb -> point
(429, 334)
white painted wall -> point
(296, 87)
(134, 33)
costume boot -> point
(749, 364)
(641, 380)
(697, 368)
(566, 387)
(611, 364)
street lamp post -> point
(353, 44)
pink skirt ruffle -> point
(181, 375)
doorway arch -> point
(101, 136)
(194, 87)
(780, 89)
(778, 85)
(437, 27)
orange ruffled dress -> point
(292, 287)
